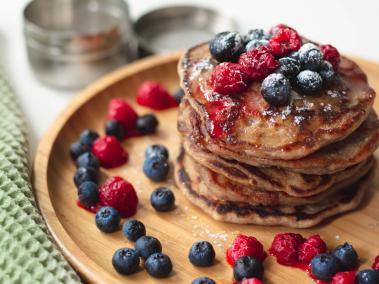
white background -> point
(351, 25)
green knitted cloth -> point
(27, 253)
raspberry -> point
(153, 95)
(245, 246)
(285, 248)
(331, 54)
(274, 30)
(109, 151)
(375, 265)
(119, 194)
(258, 62)
(347, 277)
(251, 281)
(122, 112)
(228, 78)
(313, 246)
(284, 42)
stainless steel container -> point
(70, 43)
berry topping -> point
(347, 277)
(162, 199)
(156, 167)
(88, 160)
(274, 30)
(87, 137)
(179, 94)
(122, 112)
(119, 194)
(256, 43)
(133, 230)
(284, 42)
(158, 265)
(107, 219)
(248, 267)
(245, 246)
(156, 149)
(203, 280)
(115, 128)
(368, 276)
(147, 124)
(256, 34)
(324, 266)
(202, 254)
(76, 149)
(326, 71)
(276, 89)
(109, 151)
(251, 281)
(331, 54)
(226, 46)
(125, 261)
(228, 78)
(285, 248)
(375, 265)
(258, 63)
(313, 246)
(85, 174)
(147, 245)
(289, 67)
(309, 81)
(88, 194)
(310, 56)
(347, 256)
(153, 95)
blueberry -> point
(309, 81)
(294, 55)
(125, 261)
(85, 174)
(76, 149)
(289, 67)
(116, 129)
(256, 43)
(107, 219)
(256, 34)
(202, 254)
(88, 160)
(88, 136)
(226, 46)
(324, 266)
(310, 56)
(156, 149)
(156, 167)
(203, 280)
(88, 194)
(162, 199)
(158, 265)
(147, 245)
(248, 267)
(179, 94)
(327, 72)
(368, 276)
(147, 124)
(276, 89)
(133, 230)
(347, 256)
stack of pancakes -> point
(244, 161)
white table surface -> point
(350, 25)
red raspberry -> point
(228, 78)
(257, 63)
(122, 112)
(119, 194)
(251, 281)
(109, 151)
(274, 30)
(375, 265)
(331, 54)
(347, 277)
(285, 248)
(153, 95)
(284, 42)
(245, 246)
(313, 246)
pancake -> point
(250, 128)
(190, 183)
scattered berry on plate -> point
(203, 280)
(147, 245)
(156, 149)
(312, 246)
(310, 56)
(158, 265)
(147, 124)
(202, 254)
(122, 112)
(153, 95)
(88, 160)
(375, 264)
(331, 54)
(346, 277)
(251, 281)
(156, 167)
(133, 230)
(284, 41)
(248, 267)
(326, 71)
(276, 89)
(347, 256)
(107, 219)
(109, 151)
(368, 276)
(285, 248)
(85, 174)
(226, 46)
(245, 246)
(324, 266)
(115, 128)
(309, 81)
(87, 137)
(126, 261)
(76, 149)
(88, 194)
(119, 194)
(179, 94)
(289, 67)
(162, 199)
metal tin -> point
(70, 43)
(176, 27)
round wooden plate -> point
(90, 251)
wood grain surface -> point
(90, 251)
